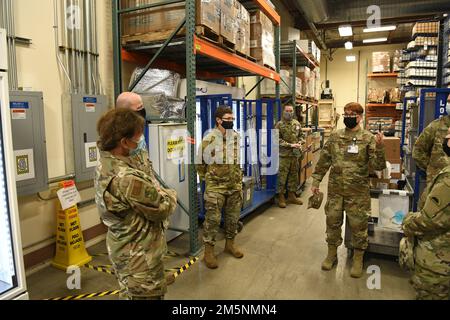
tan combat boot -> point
(209, 258)
(331, 259)
(293, 199)
(281, 201)
(232, 249)
(357, 266)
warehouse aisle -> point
(283, 250)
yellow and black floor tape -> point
(168, 254)
(176, 273)
(103, 269)
(87, 295)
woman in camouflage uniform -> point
(132, 206)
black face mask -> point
(350, 122)
(446, 147)
(227, 125)
(142, 113)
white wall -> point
(348, 80)
(38, 69)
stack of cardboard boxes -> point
(381, 61)
(262, 39)
(306, 165)
(387, 179)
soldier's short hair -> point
(354, 107)
(221, 111)
(117, 124)
(287, 105)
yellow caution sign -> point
(70, 249)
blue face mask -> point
(141, 145)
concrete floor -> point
(283, 250)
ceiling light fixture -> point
(379, 29)
(350, 58)
(345, 31)
(348, 45)
(374, 40)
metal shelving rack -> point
(197, 57)
(293, 56)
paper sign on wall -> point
(68, 197)
(24, 162)
(92, 154)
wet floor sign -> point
(70, 248)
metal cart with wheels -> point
(381, 240)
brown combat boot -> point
(357, 266)
(293, 199)
(232, 249)
(209, 258)
(281, 200)
(331, 259)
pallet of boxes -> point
(388, 178)
(262, 39)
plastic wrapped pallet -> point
(156, 81)
(160, 106)
(396, 61)
(268, 86)
(262, 39)
(381, 61)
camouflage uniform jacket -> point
(428, 152)
(349, 174)
(290, 132)
(431, 225)
(221, 171)
(135, 209)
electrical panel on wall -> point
(81, 113)
(28, 132)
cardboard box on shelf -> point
(383, 184)
(262, 39)
(426, 27)
(304, 73)
(392, 147)
(381, 61)
(157, 23)
(243, 32)
(228, 15)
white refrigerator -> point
(12, 273)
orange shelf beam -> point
(381, 104)
(208, 49)
(142, 59)
(269, 11)
(382, 75)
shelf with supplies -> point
(383, 75)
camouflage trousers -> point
(231, 202)
(288, 172)
(431, 278)
(140, 273)
(357, 210)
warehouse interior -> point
(62, 71)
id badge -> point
(353, 149)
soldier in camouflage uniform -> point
(349, 153)
(133, 208)
(431, 227)
(221, 171)
(140, 159)
(291, 139)
(427, 151)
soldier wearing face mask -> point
(291, 139)
(431, 228)
(349, 152)
(221, 170)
